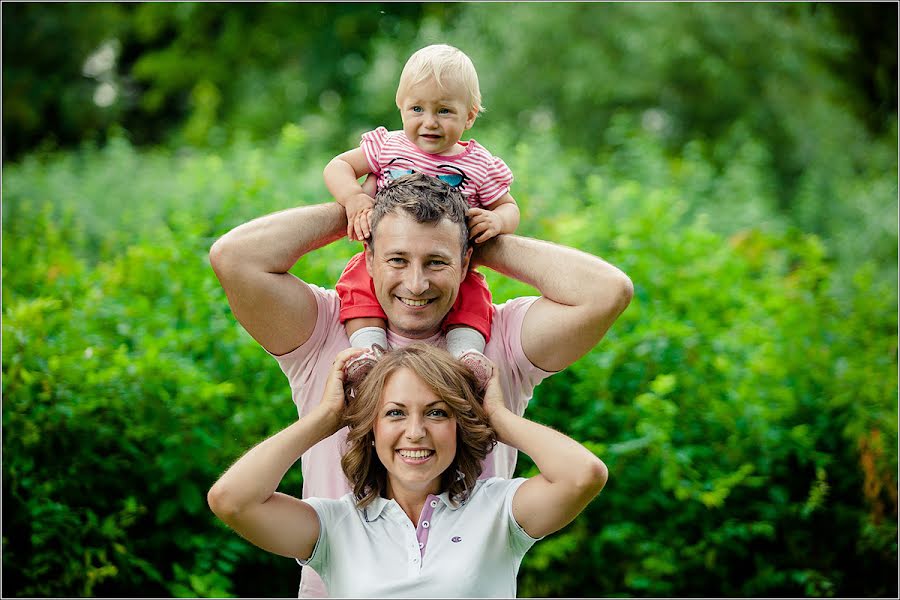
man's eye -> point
(396, 261)
(437, 263)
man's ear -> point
(369, 256)
(467, 258)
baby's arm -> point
(341, 178)
(502, 216)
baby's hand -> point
(359, 210)
(484, 224)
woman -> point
(418, 522)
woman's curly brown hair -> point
(451, 382)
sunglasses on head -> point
(451, 179)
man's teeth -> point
(409, 302)
(415, 453)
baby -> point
(439, 99)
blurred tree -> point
(872, 64)
(47, 97)
(187, 72)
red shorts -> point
(473, 307)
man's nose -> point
(416, 280)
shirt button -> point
(433, 503)
(426, 524)
(415, 560)
(421, 545)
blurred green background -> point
(737, 160)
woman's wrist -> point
(324, 421)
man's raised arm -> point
(252, 263)
(581, 296)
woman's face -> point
(415, 434)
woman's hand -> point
(333, 396)
(493, 394)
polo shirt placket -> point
(425, 522)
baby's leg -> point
(461, 337)
(365, 332)
(363, 318)
(468, 326)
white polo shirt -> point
(470, 550)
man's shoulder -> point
(328, 334)
(513, 310)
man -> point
(418, 255)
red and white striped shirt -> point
(480, 176)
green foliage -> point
(732, 159)
(746, 411)
(723, 403)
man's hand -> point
(483, 224)
(359, 211)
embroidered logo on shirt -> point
(456, 539)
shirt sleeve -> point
(372, 144)
(303, 363)
(519, 540)
(507, 329)
(497, 181)
(328, 511)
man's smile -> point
(414, 303)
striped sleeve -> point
(372, 145)
(496, 181)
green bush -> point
(745, 402)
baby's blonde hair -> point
(443, 63)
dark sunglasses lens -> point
(452, 180)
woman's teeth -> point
(415, 453)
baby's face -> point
(435, 117)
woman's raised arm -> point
(244, 497)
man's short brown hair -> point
(425, 199)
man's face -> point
(416, 269)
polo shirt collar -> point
(445, 498)
(375, 509)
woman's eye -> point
(394, 412)
(437, 412)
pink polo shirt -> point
(307, 368)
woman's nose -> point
(414, 429)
